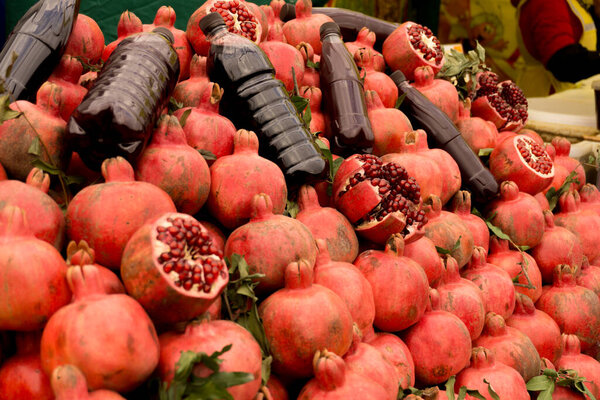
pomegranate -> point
(389, 126)
(311, 74)
(269, 242)
(66, 75)
(379, 199)
(461, 206)
(189, 92)
(205, 129)
(396, 352)
(585, 365)
(477, 132)
(39, 126)
(519, 265)
(238, 15)
(503, 103)
(128, 24)
(365, 39)
(86, 40)
(106, 214)
(584, 224)
(29, 295)
(440, 92)
(575, 309)
(523, 161)
(558, 246)
(542, 201)
(589, 276)
(333, 380)
(485, 370)
(285, 59)
(317, 119)
(275, 31)
(563, 149)
(423, 251)
(171, 267)
(495, 284)
(439, 343)
(68, 383)
(518, 215)
(304, 316)
(410, 46)
(177, 168)
(81, 254)
(560, 173)
(276, 388)
(399, 285)
(46, 219)
(376, 80)
(447, 231)
(462, 298)
(216, 235)
(539, 327)
(349, 283)
(165, 17)
(97, 327)
(590, 198)
(305, 27)
(207, 337)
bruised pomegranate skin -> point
(68, 383)
(396, 351)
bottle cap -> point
(161, 30)
(287, 12)
(210, 22)
(398, 77)
(329, 27)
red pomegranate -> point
(558, 246)
(81, 254)
(439, 343)
(485, 370)
(275, 31)
(285, 59)
(589, 276)
(207, 337)
(374, 79)
(365, 39)
(516, 263)
(305, 27)
(276, 388)
(477, 132)
(575, 309)
(585, 365)
(333, 380)
(302, 318)
(97, 327)
(86, 40)
(410, 46)
(106, 214)
(563, 149)
(503, 103)
(461, 206)
(39, 126)
(171, 267)
(423, 251)
(590, 198)
(389, 125)
(238, 14)
(128, 24)
(542, 201)
(33, 275)
(399, 284)
(396, 352)
(440, 92)
(521, 160)
(539, 327)
(317, 118)
(189, 92)
(518, 215)
(496, 285)
(174, 166)
(68, 383)
(205, 129)
(269, 242)
(311, 74)
(378, 198)
(66, 75)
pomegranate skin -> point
(585, 365)
(68, 383)
(477, 132)
(208, 337)
(66, 74)
(590, 198)
(389, 126)
(366, 39)
(375, 80)
(589, 276)
(461, 206)
(106, 214)
(440, 92)
(563, 149)
(275, 386)
(81, 254)
(189, 91)
(396, 352)
(423, 251)
(305, 27)
(284, 57)
(128, 24)
(86, 40)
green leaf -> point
(456, 246)
(485, 152)
(400, 100)
(552, 195)
(539, 383)
(462, 393)
(6, 113)
(207, 154)
(477, 395)
(449, 386)
(228, 379)
(266, 369)
(184, 117)
(291, 209)
(491, 390)
(312, 64)
(35, 149)
(174, 105)
(546, 394)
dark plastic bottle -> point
(343, 95)
(118, 114)
(442, 133)
(253, 99)
(38, 41)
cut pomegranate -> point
(379, 199)
(173, 269)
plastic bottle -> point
(38, 41)
(441, 130)
(118, 114)
(343, 95)
(253, 99)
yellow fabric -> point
(533, 78)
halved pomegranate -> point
(173, 269)
(378, 199)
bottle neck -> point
(332, 37)
(217, 32)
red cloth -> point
(547, 26)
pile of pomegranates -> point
(199, 270)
